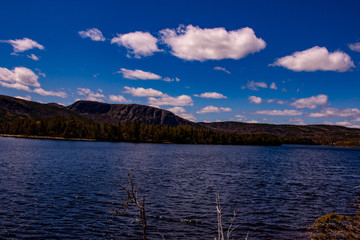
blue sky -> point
(281, 62)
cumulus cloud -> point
(27, 98)
(251, 121)
(90, 95)
(167, 100)
(334, 112)
(181, 112)
(213, 109)
(273, 86)
(194, 43)
(297, 121)
(311, 102)
(118, 98)
(17, 86)
(254, 99)
(355, 46)
(343, 123)
(142, 75)
(50, 93)
(314, 59)
(33, 57)
(143, 92)
(167, 79)
(285, 112)
(137, 43)
(20, 75)
(138, 74)
(93, 33)
(213, 95)
(222, 69)
(21, 45)
(254, 85)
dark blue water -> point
(68, 190)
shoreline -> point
(48, 137)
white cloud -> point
(222, 69)
(181, 112)
(33, 57)
(251, 121)
(93, 33)
(334, 112)
(254, 85)
(167, 100)
(17, 86)
(167, 79)
(357, 119)
(21, 45)
(137, 43)
(27, 98)
(297, 121)
(355, 46)
(343, 123)
(20, 75)
(311, 102)
(281, 102)
(314, 59)
(270, 100)
(285, 112)
(254, 99)
(214, 95)
(143, 92)
(118, 98)
(194, 43)
(213, 109)
(50, 93)
(273, 86)
(138, 74)
(90, 95)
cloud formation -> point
(213, 109)
(167, 100)
(273, 86)
(181, 112)
(137, 43)
(285, 112)
(21, 45)
(50, 93)
(27, 98)
(355, 46)
(19, 75)
(297, 121)
(138, 74)
(316, 59)
(311, 102)
(254, 99)
(90, 95)
(143, 92)
(33, 57)
(343, 124)
(118, 98)
(93, 33)
(254, 85)
(194, 43)
(222, 69)
(334, 112)
(213, 95)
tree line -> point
(130, 132)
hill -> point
(139, 123)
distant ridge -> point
(16, 115)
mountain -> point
(14, 108)
(114, 114)
(139, 123)
(306, 134)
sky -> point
(278, 62)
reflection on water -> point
(64, 189)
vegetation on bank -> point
(73, 128)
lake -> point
(70, 189)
